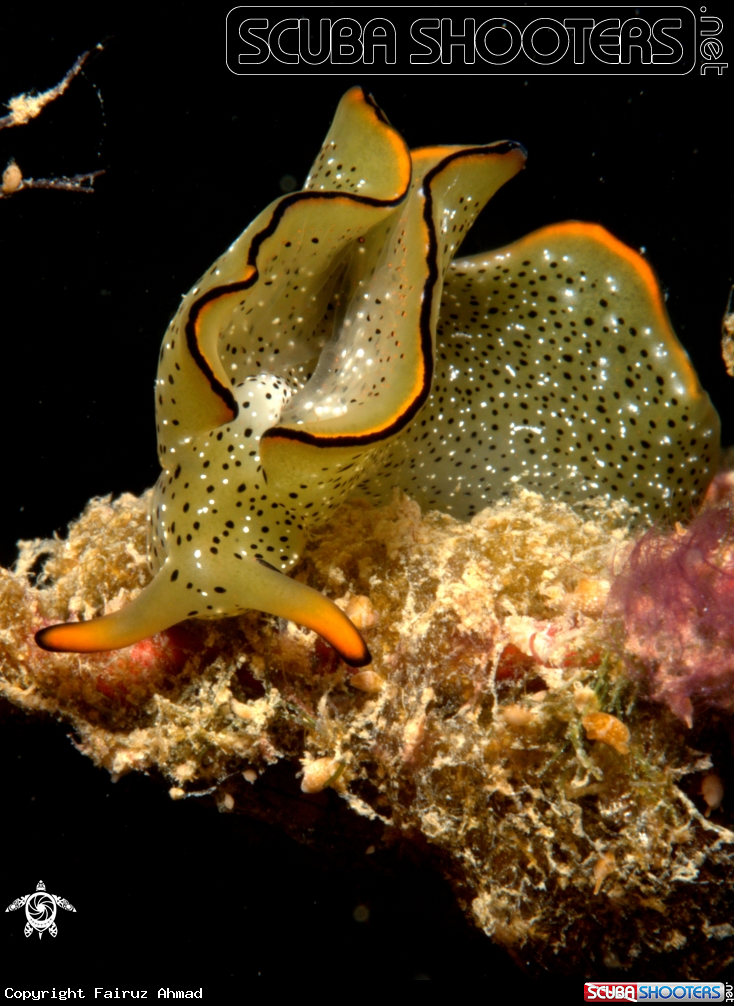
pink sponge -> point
(675, 598)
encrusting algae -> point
(504, 719)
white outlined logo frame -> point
(250, 28)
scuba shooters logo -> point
(605, 41)
(634, 992)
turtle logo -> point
(40, 910)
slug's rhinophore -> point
(335, 346)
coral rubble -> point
(499, 722)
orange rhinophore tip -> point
(156, 608)
(345, 638)
(76, 637)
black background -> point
(176, 894)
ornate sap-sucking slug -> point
(335, 346)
